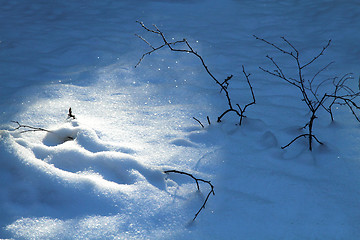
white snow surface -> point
(134, 123)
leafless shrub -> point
(314, 93)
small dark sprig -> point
(197, 180)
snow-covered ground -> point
(133, 123)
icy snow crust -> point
(132, 124)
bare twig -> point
(317, 56)
(208, 119)
(242, 110)
(348, 101)
(70, 115)
(275, 46)
(225, 83)
(198, 122)
(302, 135)
(29, 128)
(197, 180)
(347, 98)
(187, 48)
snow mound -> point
(71, 173)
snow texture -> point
(101, 176)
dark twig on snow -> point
(28, 128)
(242, 110)
(70, 115)
(339, 93)
(202, 125)
(198, 121)
(225, 83)
(347, 98)
(187, 48)
(197, 180)
(302, 135)
(208, 119)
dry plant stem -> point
(35, 129)
(197, 180)
(202, 125)
(208, 119)
(29, 128)
(346, 99)
(242, 110)
(198, 122)
(302, 135)
(70, 115)
(309, 135)
(348, 102)
(188, 49)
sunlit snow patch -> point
(68, 172)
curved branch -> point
(188, 49)
(197, 180)
(302, 135)
(29, 128)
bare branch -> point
(36, 129)
(296, 51)
(227, 111)
(347, 100)
(144, 41)
(29, 128)
(197, 180)
(198, 122)
(302, 135)
(242, 110)
(321, 70)
(349, 103)
(317, 56)
(146, 28)
(275, 46)
(287, 145)
(188, 49)
(225, 83)
(279, 73)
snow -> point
(101, 176)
